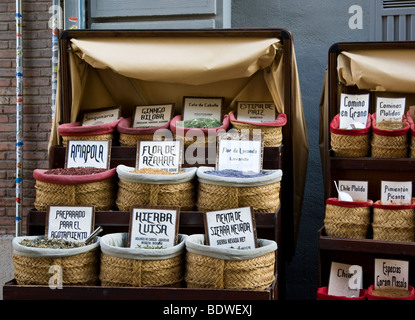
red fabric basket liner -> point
(350, 204)
(322, 295)
(124, 126)
(378, 205)
(393, 133)
(39, 174)
(411, 123)
(75, 129)
(370, 295)
(334, 127)
(173, 126)
(279, 122)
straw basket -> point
(134, 267)
(272, 130)
(389, 143)
(353, 143)
(35, 266)
(390, 293)
(131, 136)
(196, 137)
(219, 268)
(393, 222)
(217, 193)
(154, 189)
(74, 131)
(346, 219)
(90, 190)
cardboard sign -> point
(152, 115)
(356, 189)
(240, 152)
(256, 111)
(231, 228)
(88, 154)
(399, 193)
(345, 280)
(194, 107)
(354, 109)
(153, 227)
(100, 117)
(391, 274)
(163, 155)
(72, 223)
(390, 109)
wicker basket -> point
(74, 131)
(353, 143)
(131, 136)
(389, 143)
(219, 268)
(79, 266)
(347, 219)
(272, 131)
(89, 190)
(152, 189)
(197, 137)
(393, 222)
(135, 267)
(217, 193)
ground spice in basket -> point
(393, 293)
(389, 125)
(200, 123)
(51, 243)
(153, 171)
(74, 171)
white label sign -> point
(354, 109)
(70, 223)
(390, 109)
(163, 155)
(256, 111)
(345, 280)
(399, 193)
(202, 108)
(88, 154)
(101, 117)
(152, 116)
(391, 273)
(243, 155)
(153, 227)
(356, 189)
(232, 228)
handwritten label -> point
(72, 223)
(390, 109)
(354, 109)
(202, 108)
(345, 280)
(239, 153)
(101, 117)
(356, 189)
(391, 274)
(399, 193)
(153, 227)
(88, 154)
(232, 228)
(256, 111)
(163, 155)
(152, 115)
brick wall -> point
(37, 52)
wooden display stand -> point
(269, 225)
(360, 251)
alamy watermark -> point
(356, 20)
